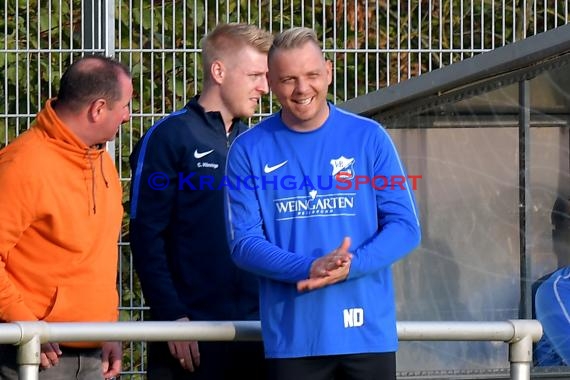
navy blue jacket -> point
(177, 228)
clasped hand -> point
(329, 269)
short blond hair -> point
(231, 37)
(293, 38)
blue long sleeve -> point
(249, 246)
(398, 222)
(291, 198)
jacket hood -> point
(54, 130)
(49, 123)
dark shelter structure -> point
(489, 137)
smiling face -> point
(299, 77)
(244, 82)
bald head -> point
(90, 78)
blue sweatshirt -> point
(292, 197)
(177, 227)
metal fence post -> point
(520, 347)
(29, 350)
(29, 358)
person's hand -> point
(329, 269)
(49, 355)
(322, 266)
(111, 359)
(186, 352)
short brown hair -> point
(90, 78)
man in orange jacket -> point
(60, 218)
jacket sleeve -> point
(248, 245)
(19, 195)
(152, 199)
(398, 223)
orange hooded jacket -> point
(60, 219)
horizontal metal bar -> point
(456, 331)
(17, 332)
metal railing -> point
(519, 334)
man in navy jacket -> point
(177, 229)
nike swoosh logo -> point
(199, 155)
(269, 169)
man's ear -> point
(217, 71)
(329, 69)
(95, 111)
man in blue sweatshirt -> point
(319, 208)
(177, 228)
